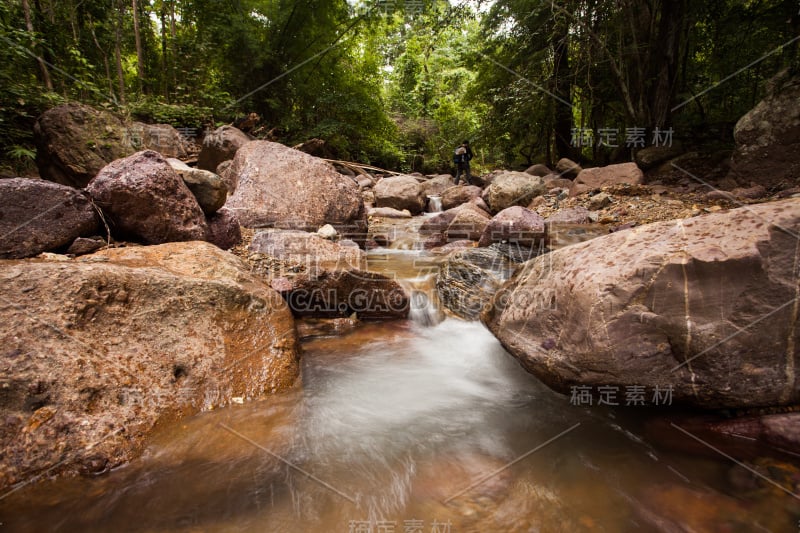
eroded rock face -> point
(74, 141)
(146, 201)
(513, 188)
(400, 192)
(706, 306)
(223, 229)
(282, 187)
(98, 349)
(768, 138)
(40, 216)
(219, 146)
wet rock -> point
(208, 189)
(768, 137)
(455, 196)
(74, 141)
(289, 189)
(341, 293)
(513, 188)
(221, 145)
(567, 168)
(468, 279)
(400, 192)
(671, 305)
(38, 216)
(144, 200)
(309, 328)
(515, 225)
(223, 229)
(135, 336)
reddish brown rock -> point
(340, 293)
(221, 145)
(569, 215)
(134, 337)
(705, 306)
(594, 178)
(223, 229)
(74, 141)
(515, 225)
(144, 200)
(40, 216)
(286, 188)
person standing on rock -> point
(462, 157)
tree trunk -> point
(164, 52)
(563, 89)
(666, 55)
(118, 51)
(48, 82)
(138, 39)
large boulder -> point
(768, 138)
(97, 351)
(455, 196)
(144, 200)
(436, 185)
(74, 141)
(39, 216)
(469, 278)
(161, 138)
(515, 225)
(597, 177)
(221, 145)
(286, 188)
(208, 189)
(704, 306)
(400, 192)
(513, 188)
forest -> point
(397, 84)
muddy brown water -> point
(425, 425)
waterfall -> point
(434, 203)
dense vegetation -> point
(397, 84)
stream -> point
(424, 425)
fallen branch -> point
(359, 167)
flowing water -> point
(425, 425)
